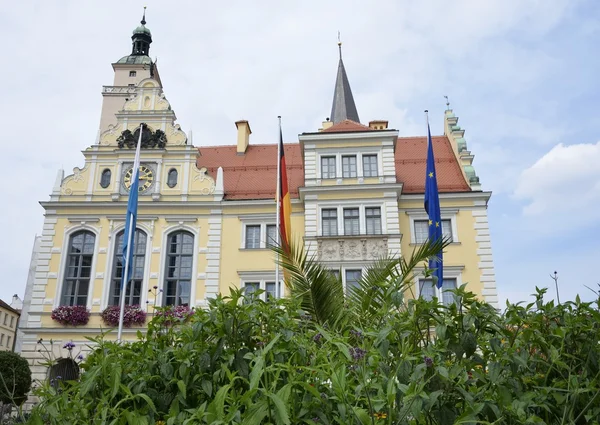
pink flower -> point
(73, 315)
(133, 315)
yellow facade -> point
(9, 319)
(226, 236)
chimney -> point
(326, 124)
(243, 136)
(378, 124)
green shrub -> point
(15, 378)
(268, 363)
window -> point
(427, 291)
(172, 178)
(105, 178)
(267, 285)
(63, 370)
(1, 339)
(370, 166)
(351, 221)
(349, 166)
(271, 290)
(12, 321)
(271, 235)
(134, 289)
(329, 222)
(80, 254)
(180, 258)
(253, 236)
(422, 230)
(373, 219)
(131, 85)
(249, 289)
(352, 279)
(5, 319)
(328, 167)
(8, 341)
(132, 73)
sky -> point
(521, 75)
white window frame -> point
(263, 223)
(447, 214)
(262, 278)
(450, 272)
(346, 267)
(359, 162)
(362, 219)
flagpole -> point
(278, 195)
(125, 285)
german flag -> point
(285, 205)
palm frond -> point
(387, 277)
(321, 295)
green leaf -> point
(219, 401)
(88, 380)
(256, 413)
(494, 370)
(257, 371)
(362, 415)
(207, 387)
(344, 349)
(115, 379)
(281, 412)
(182, 388)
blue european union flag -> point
(432, 206)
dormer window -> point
(132, 73)
(348, 166)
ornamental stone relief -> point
(347, 248)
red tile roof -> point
(411, 159)
(347, 126)
(253, 174)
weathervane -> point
(447, 103)
(340, 44)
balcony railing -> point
(118, 89)
(351, 248)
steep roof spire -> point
(343, 107)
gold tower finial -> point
(143, 21)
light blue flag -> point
(131, 218)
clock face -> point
(146, 178)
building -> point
(207, 214)
(9, 321)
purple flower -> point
(357, 353)
(317, 338)
(69, 346)
(80, 357)
(155, 287)
(356, 334)
(428, 361)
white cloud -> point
(564, 180)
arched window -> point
(63, 370)
(134, 289)
(178, 277)
(172, 178)
(105, 179)
(79, 268)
